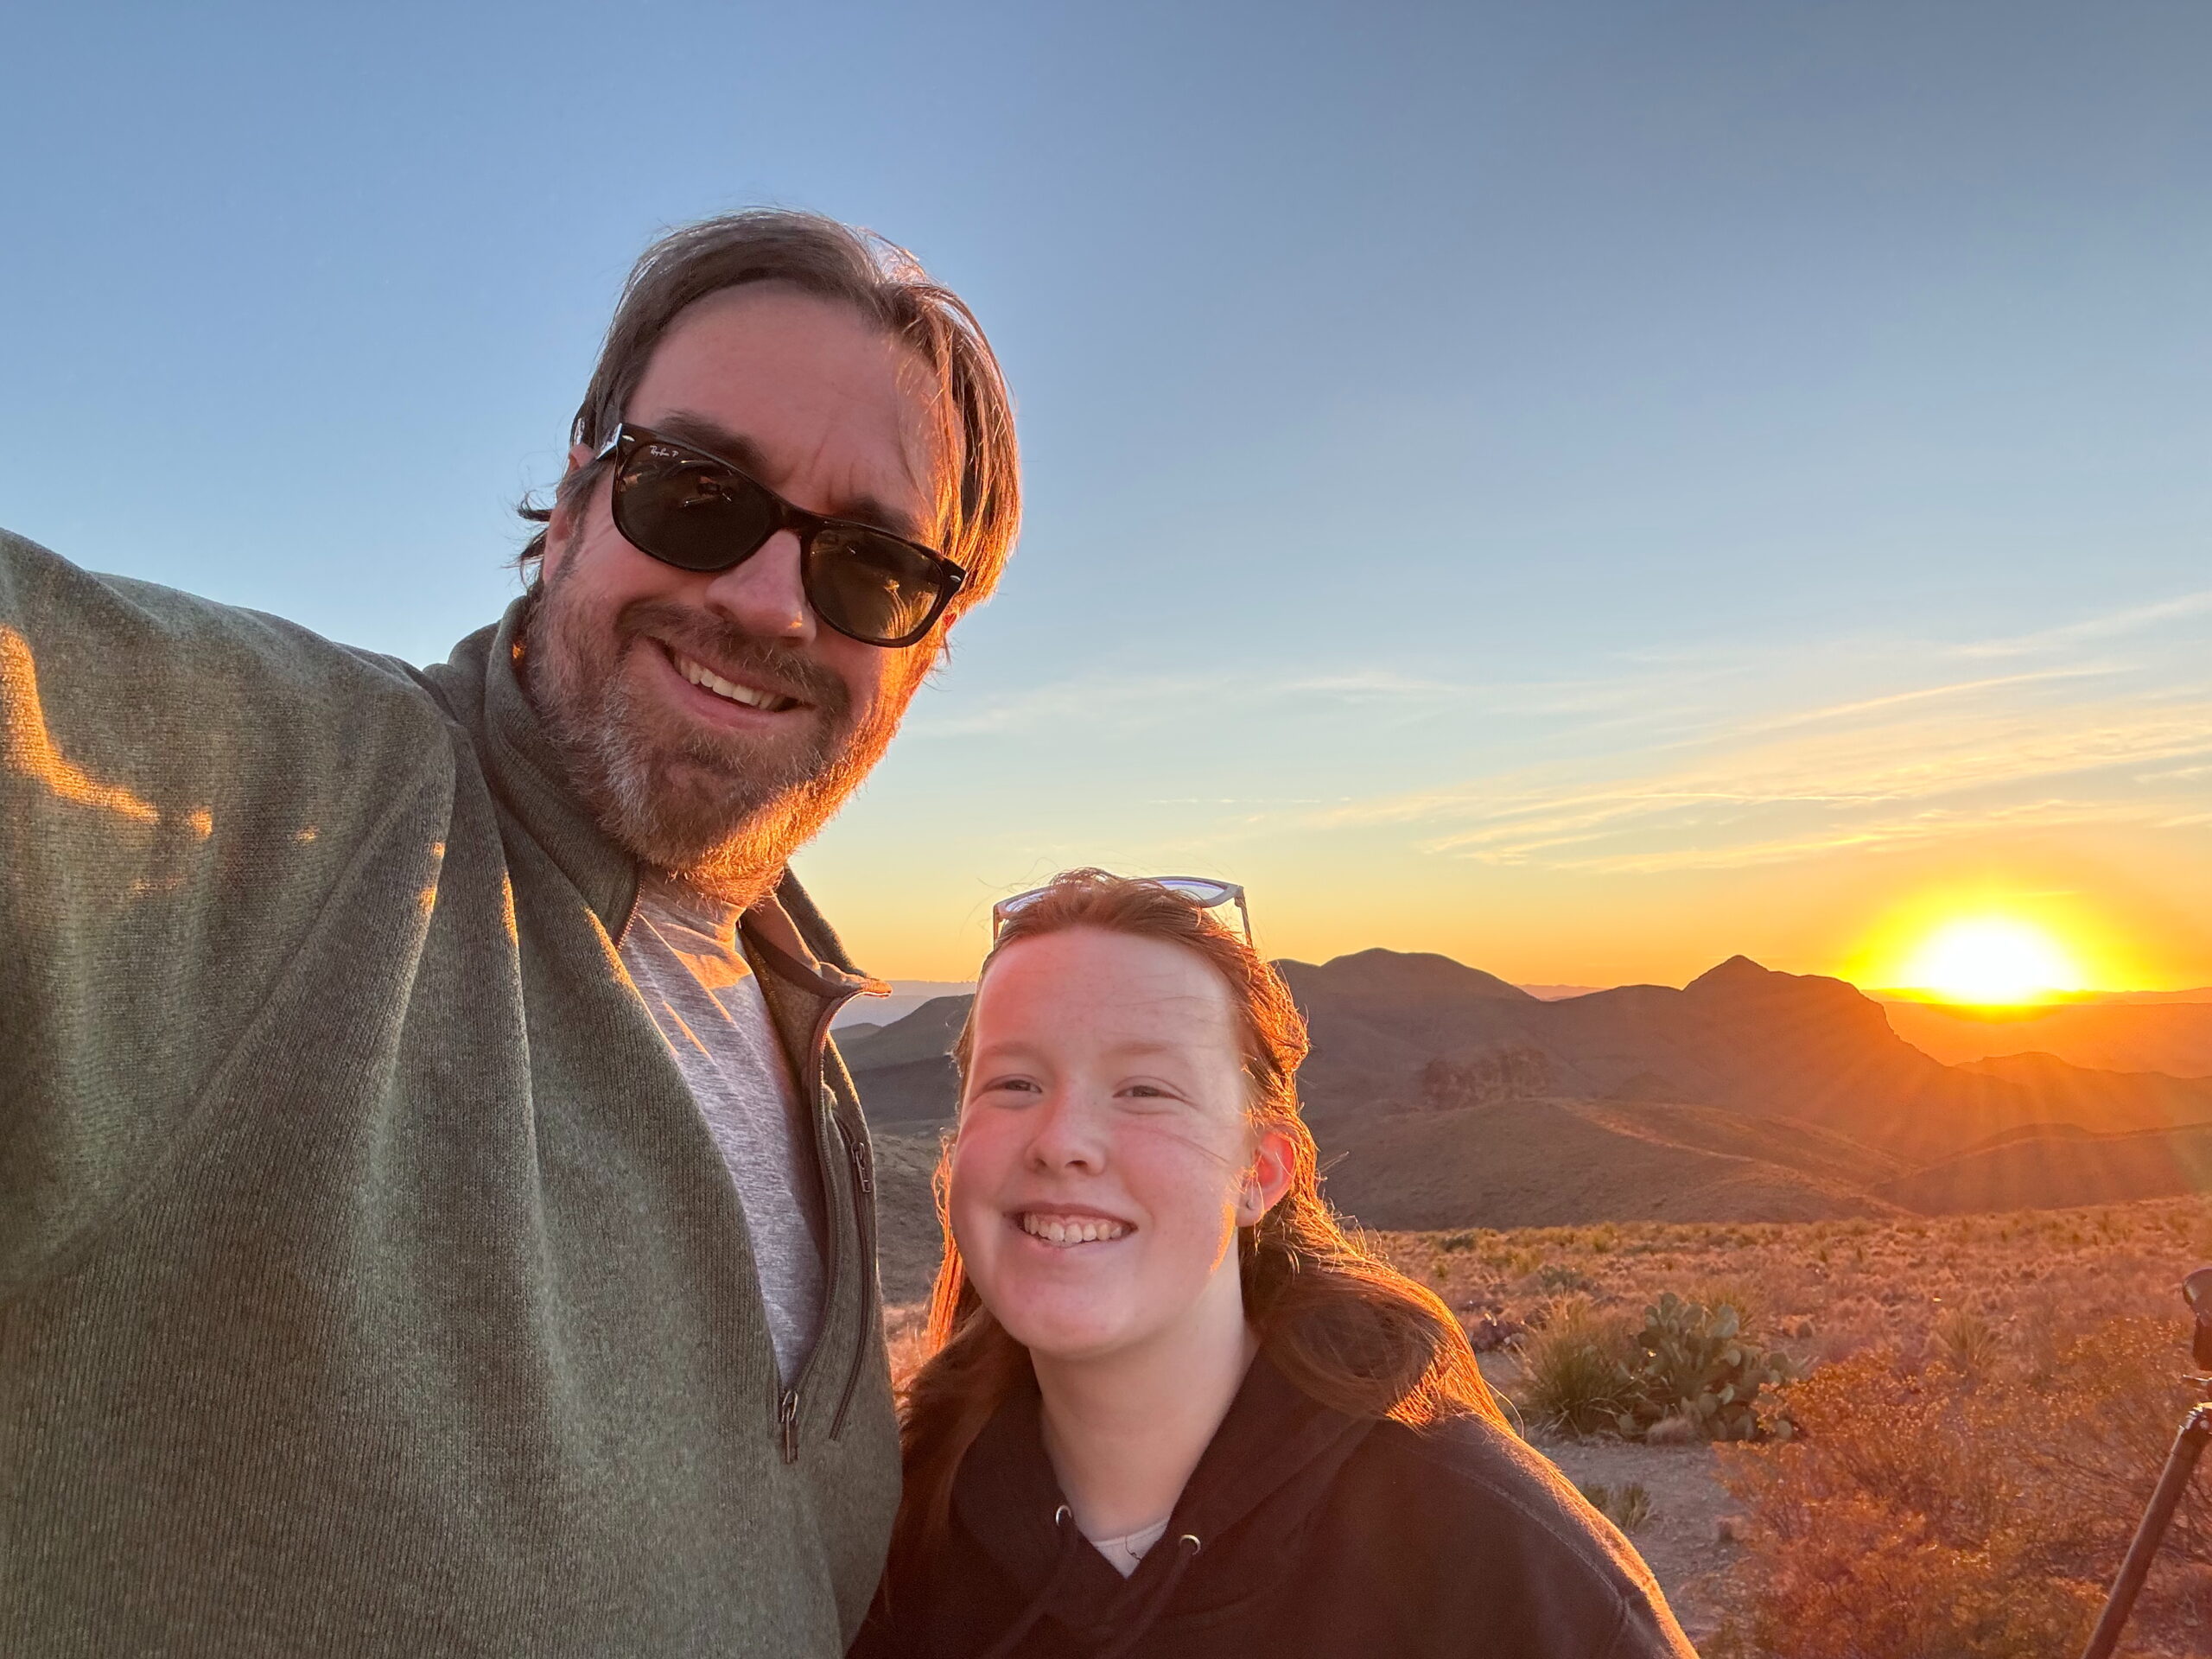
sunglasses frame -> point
(805, 526)
(1231, 892)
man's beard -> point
(721, 812)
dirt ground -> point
(1681, 1539)
(1681, 1542)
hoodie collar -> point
(1267, 1467)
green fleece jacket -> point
(369, 1282)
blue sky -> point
(1587, 488)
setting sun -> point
(1990, 959)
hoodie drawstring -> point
(1072, 1545)
(1155, 1603)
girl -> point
(1171, 1409)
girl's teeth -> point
(1054, 1230)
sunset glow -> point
(1990, 959)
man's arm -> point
(180, 784)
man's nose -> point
(764, 596)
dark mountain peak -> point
(1740, 977)
(1417, 974)
(1737, 972)
(926, 1033)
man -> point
(431, 1217)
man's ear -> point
(941, 653)
(1266, 1177)
(561, 526)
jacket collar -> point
(481, 686)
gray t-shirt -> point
(682, 952)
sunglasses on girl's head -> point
(1202, 891)
(693, 509)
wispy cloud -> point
(1139, 700)
(1675, 760)
(2072, 741)
(2113, 625)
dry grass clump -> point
(1572, 1375)
(1930, 1510)
(1687, 1371)
(1627, 1507)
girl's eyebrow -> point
(1005, 1048)
(1002, 1049)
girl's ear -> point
(1266, 1177)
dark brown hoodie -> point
(1302, 1532)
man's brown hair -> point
(979, 507)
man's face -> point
(821, 407)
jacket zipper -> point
(787, 1401)
(787, 1420)
(864, 1220)
(862, 1173)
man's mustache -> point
(787, 670)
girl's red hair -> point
(1347, 1328)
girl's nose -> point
(1066, 1137)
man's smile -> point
(728, 695)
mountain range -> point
(1444, 1096)
(2173, 1036)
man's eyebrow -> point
(703, 432)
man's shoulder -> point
(191, 706)
(76, 621)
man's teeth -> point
(1072, 1229)
(700, 674)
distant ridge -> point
(2172, 1034)
(2060, 1168)
(906, 995)
(1443, 1095)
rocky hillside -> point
(1395, 1033)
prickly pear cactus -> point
(1697, 1363)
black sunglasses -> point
(692, 509)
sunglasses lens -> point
(687, 511)
(1006, 909)
(871, 586)
(1200, 892)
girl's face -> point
(1104, 1163)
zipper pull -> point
(787, 1418)
(864, 1165)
